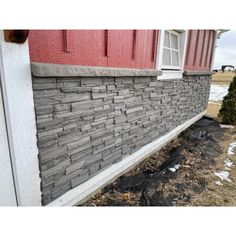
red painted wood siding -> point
(199, 52)
(132, 48)
(113, 48)
(79, 47)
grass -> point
(223, 195)
(213, 109)
(216, 195)
(223, 77)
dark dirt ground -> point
(199, 151)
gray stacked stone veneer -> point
(90, 118)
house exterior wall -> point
(113, 48)
(90, 118)
(200, 50)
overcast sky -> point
(226, 50)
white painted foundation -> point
(84, 191)
(20, 120)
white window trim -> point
(214, 49)
(172, 73)
(172, 49)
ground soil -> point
(200, 151)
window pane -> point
(174, 41)
(175, 58)
(167, 39)
(166, 57)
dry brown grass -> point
(213, 109)
(223, 77)
(216, 195)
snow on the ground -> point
(223, 175)
(217, 92)
(226, 126)
(228, 163)
(231, 148)
(176, 167)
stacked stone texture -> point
(85, 125)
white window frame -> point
(172, 72)
(171, 49)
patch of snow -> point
(231, 148)
(218, 183)
(217, 92)
(223, 175)
(176, 167)
(228, 163)
(226, 126)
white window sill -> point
(170, 74)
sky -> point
(225, 50)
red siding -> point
(81, 47)
(205, 48)
(146, 48)
(115, 48)
(199, 50)
(120, 45)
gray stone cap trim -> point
(198, 72)
(57, 70)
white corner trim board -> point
(84, 191)
(19, 112)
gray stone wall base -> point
(86, 124)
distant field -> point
(223, 77)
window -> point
(171, 53)
(171, 50)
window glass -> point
(175, 58)
(174, 41)
(171, 51)
(167, 39)
(166, 57)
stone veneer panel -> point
(86, 124)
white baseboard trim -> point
(84, 191)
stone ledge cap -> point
(59, 70)
(198, 72)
